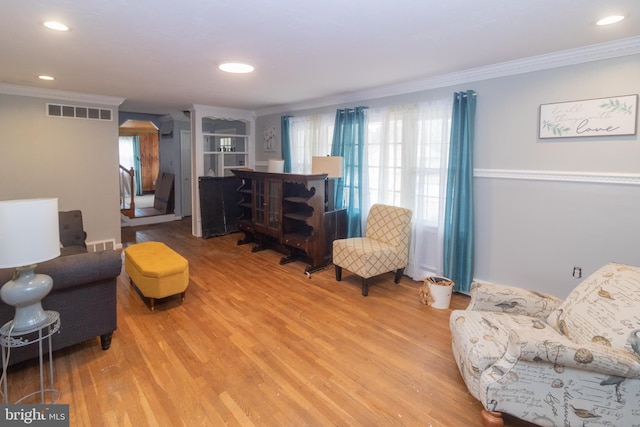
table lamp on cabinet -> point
(29, 234)
(332, 166)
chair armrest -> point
(546, 379)
(511, 299)
(547, 345)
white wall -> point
(532, 232)
(74, 160)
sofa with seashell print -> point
(552, 362)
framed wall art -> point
(612, 116)
(269, 139)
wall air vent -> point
(101, 245)
(77, 112)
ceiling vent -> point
(77, 112)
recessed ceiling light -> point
(43, 77)
(54, 25)
(610, 20)
(236, 67)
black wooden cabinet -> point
(219, 209)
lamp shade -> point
(275, 165)
(29, 232)
(331, 165)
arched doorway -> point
(139, 166)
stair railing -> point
(132, 205)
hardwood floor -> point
(256, 343)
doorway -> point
(185, 171)
(139, 167)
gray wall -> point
(74, 160)
(531, 232)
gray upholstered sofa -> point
(84, 290)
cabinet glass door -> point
(274, 205)
(259, 203)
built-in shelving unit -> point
(224, 151)
(222, 139)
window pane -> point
(405, 146)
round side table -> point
(38, 334)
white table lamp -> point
(29, 234)
(275, 165)
(332, 166)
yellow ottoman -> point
(156, 270)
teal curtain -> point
(348, 142)
(137, 165)
(459, 216)
(285, 129)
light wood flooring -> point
(256, 343)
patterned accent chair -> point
(384, 248)
(551, 362)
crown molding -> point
(60, 95)
(562, 176)
(591, 53)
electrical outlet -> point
(577, 272)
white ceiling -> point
(162, 55)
